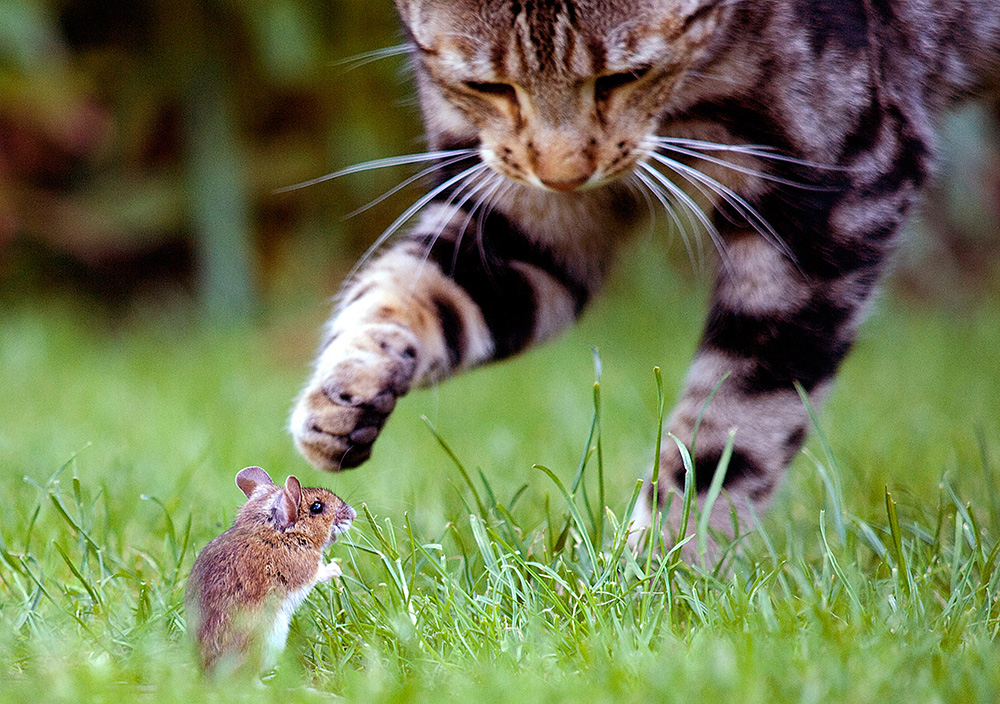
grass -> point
(488, 562)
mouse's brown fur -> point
(247, 582)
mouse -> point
(246, 583)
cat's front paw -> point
(358, 378)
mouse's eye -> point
(317, 507)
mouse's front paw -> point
(328, 572)
(359, 376)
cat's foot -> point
(731, 515)
(359, 376)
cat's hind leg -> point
(781, 316)
(767, 329)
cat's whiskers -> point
(495, 187)
(678, 193)
(635, 186)
(491, 184)
(383, 163)
(701, 181)
(457, 208)
(657, 193)
(452, 206)
(412, 179)
(506, 186)
(458, 181)
(738, 168)
(696, 148)
(366, 57)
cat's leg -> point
(768, 327)
(433, 304)
(781, 314)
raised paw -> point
(328, 572)
(359, 376)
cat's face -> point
(559, 95)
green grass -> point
(873, 576)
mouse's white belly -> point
(274, 643)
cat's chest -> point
(583, 224)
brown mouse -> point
(246, 583)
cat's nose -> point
(565, 184)
(561, 162)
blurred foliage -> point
(954, 250)
(122, 122)
(141, 143)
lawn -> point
(472, 573)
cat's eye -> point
(604, 86)
(499, 90)
(317, 507)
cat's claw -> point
(358, 378)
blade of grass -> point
(458, 464)
(574, 512)
(831, 482)
(689, 487)
(704, 408)
(660, 406)
(714, 489)
(98, 604)
(654, 499)
(897, 544)
(77, 529)
(598, 519)
(835, 565)
(588, 448)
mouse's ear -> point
(249, 478)
(286, 504)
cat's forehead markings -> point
(532, 44)
(547, 38)
(462, 59)
(631, 44)
(566, 42)
(633, 51)
(519, 55)
(565, 51)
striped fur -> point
(576, 112)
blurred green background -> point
(141, 144)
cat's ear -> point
(406, 10)
(419, 17)
(249, 478)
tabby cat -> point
(797, 133)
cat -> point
(797, 133)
